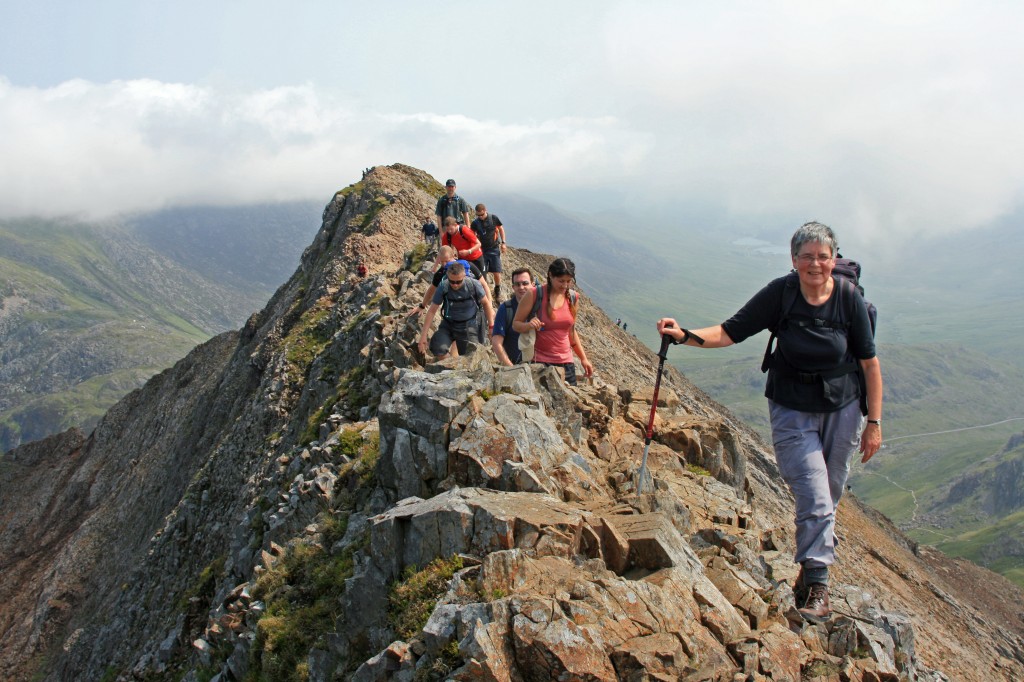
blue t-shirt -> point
(511, 341)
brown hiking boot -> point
(816, 608)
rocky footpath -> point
(310, 499)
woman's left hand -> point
(870, 441)
(588, 368)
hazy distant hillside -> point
(88, 312)
(606, 262)
(245, 247)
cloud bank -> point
(99, 149)
(880, 119)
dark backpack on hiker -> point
(446, 211)
(465, 293)
(849, 269)
(847, 276)
(446, 238)
(488, 232)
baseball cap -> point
(449, 183)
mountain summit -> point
(310, 499)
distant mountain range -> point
(88, 312)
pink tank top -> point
(553, 340)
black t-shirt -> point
(487, 231)
(809, 349)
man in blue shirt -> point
(504, 340)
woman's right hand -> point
(536, 323)
(667, 325)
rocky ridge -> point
(259, 510)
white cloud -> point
(92, 148)
(880, 118)
(886, 117)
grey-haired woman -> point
(823, 374)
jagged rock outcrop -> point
(311, 499)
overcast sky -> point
(888, 117)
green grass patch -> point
(206, 583)
(696, 469)
(352, 389)
(412, 600)
(302, 592)
(418, 256)
(365, 452)
(309, 335)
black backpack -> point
(467, 292)
(488, 232)
(849, 269)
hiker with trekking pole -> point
(824, 378)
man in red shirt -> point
(463, 240)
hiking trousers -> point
(814, 451)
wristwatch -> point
(877, 422)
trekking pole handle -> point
(666, 340)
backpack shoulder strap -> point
(538, 298)
(790, 291)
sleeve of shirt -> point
(759, 313)
(861, 340)
(497, 221)
(476, 271)
(438, 276)
(499, 321)
(438, 297)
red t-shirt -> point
(463, 239)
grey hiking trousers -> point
(814, 451)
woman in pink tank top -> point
(555, 321)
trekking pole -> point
(642, 478)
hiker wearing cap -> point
(491, 233)
(451, 204)
(823, 379)
(550, 311)
(460, 298)
(504, 339)
(464, 241)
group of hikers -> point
(824, 384)
(539, 317)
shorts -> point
(491, 261)
(458, 332)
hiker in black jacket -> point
(823, 366)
